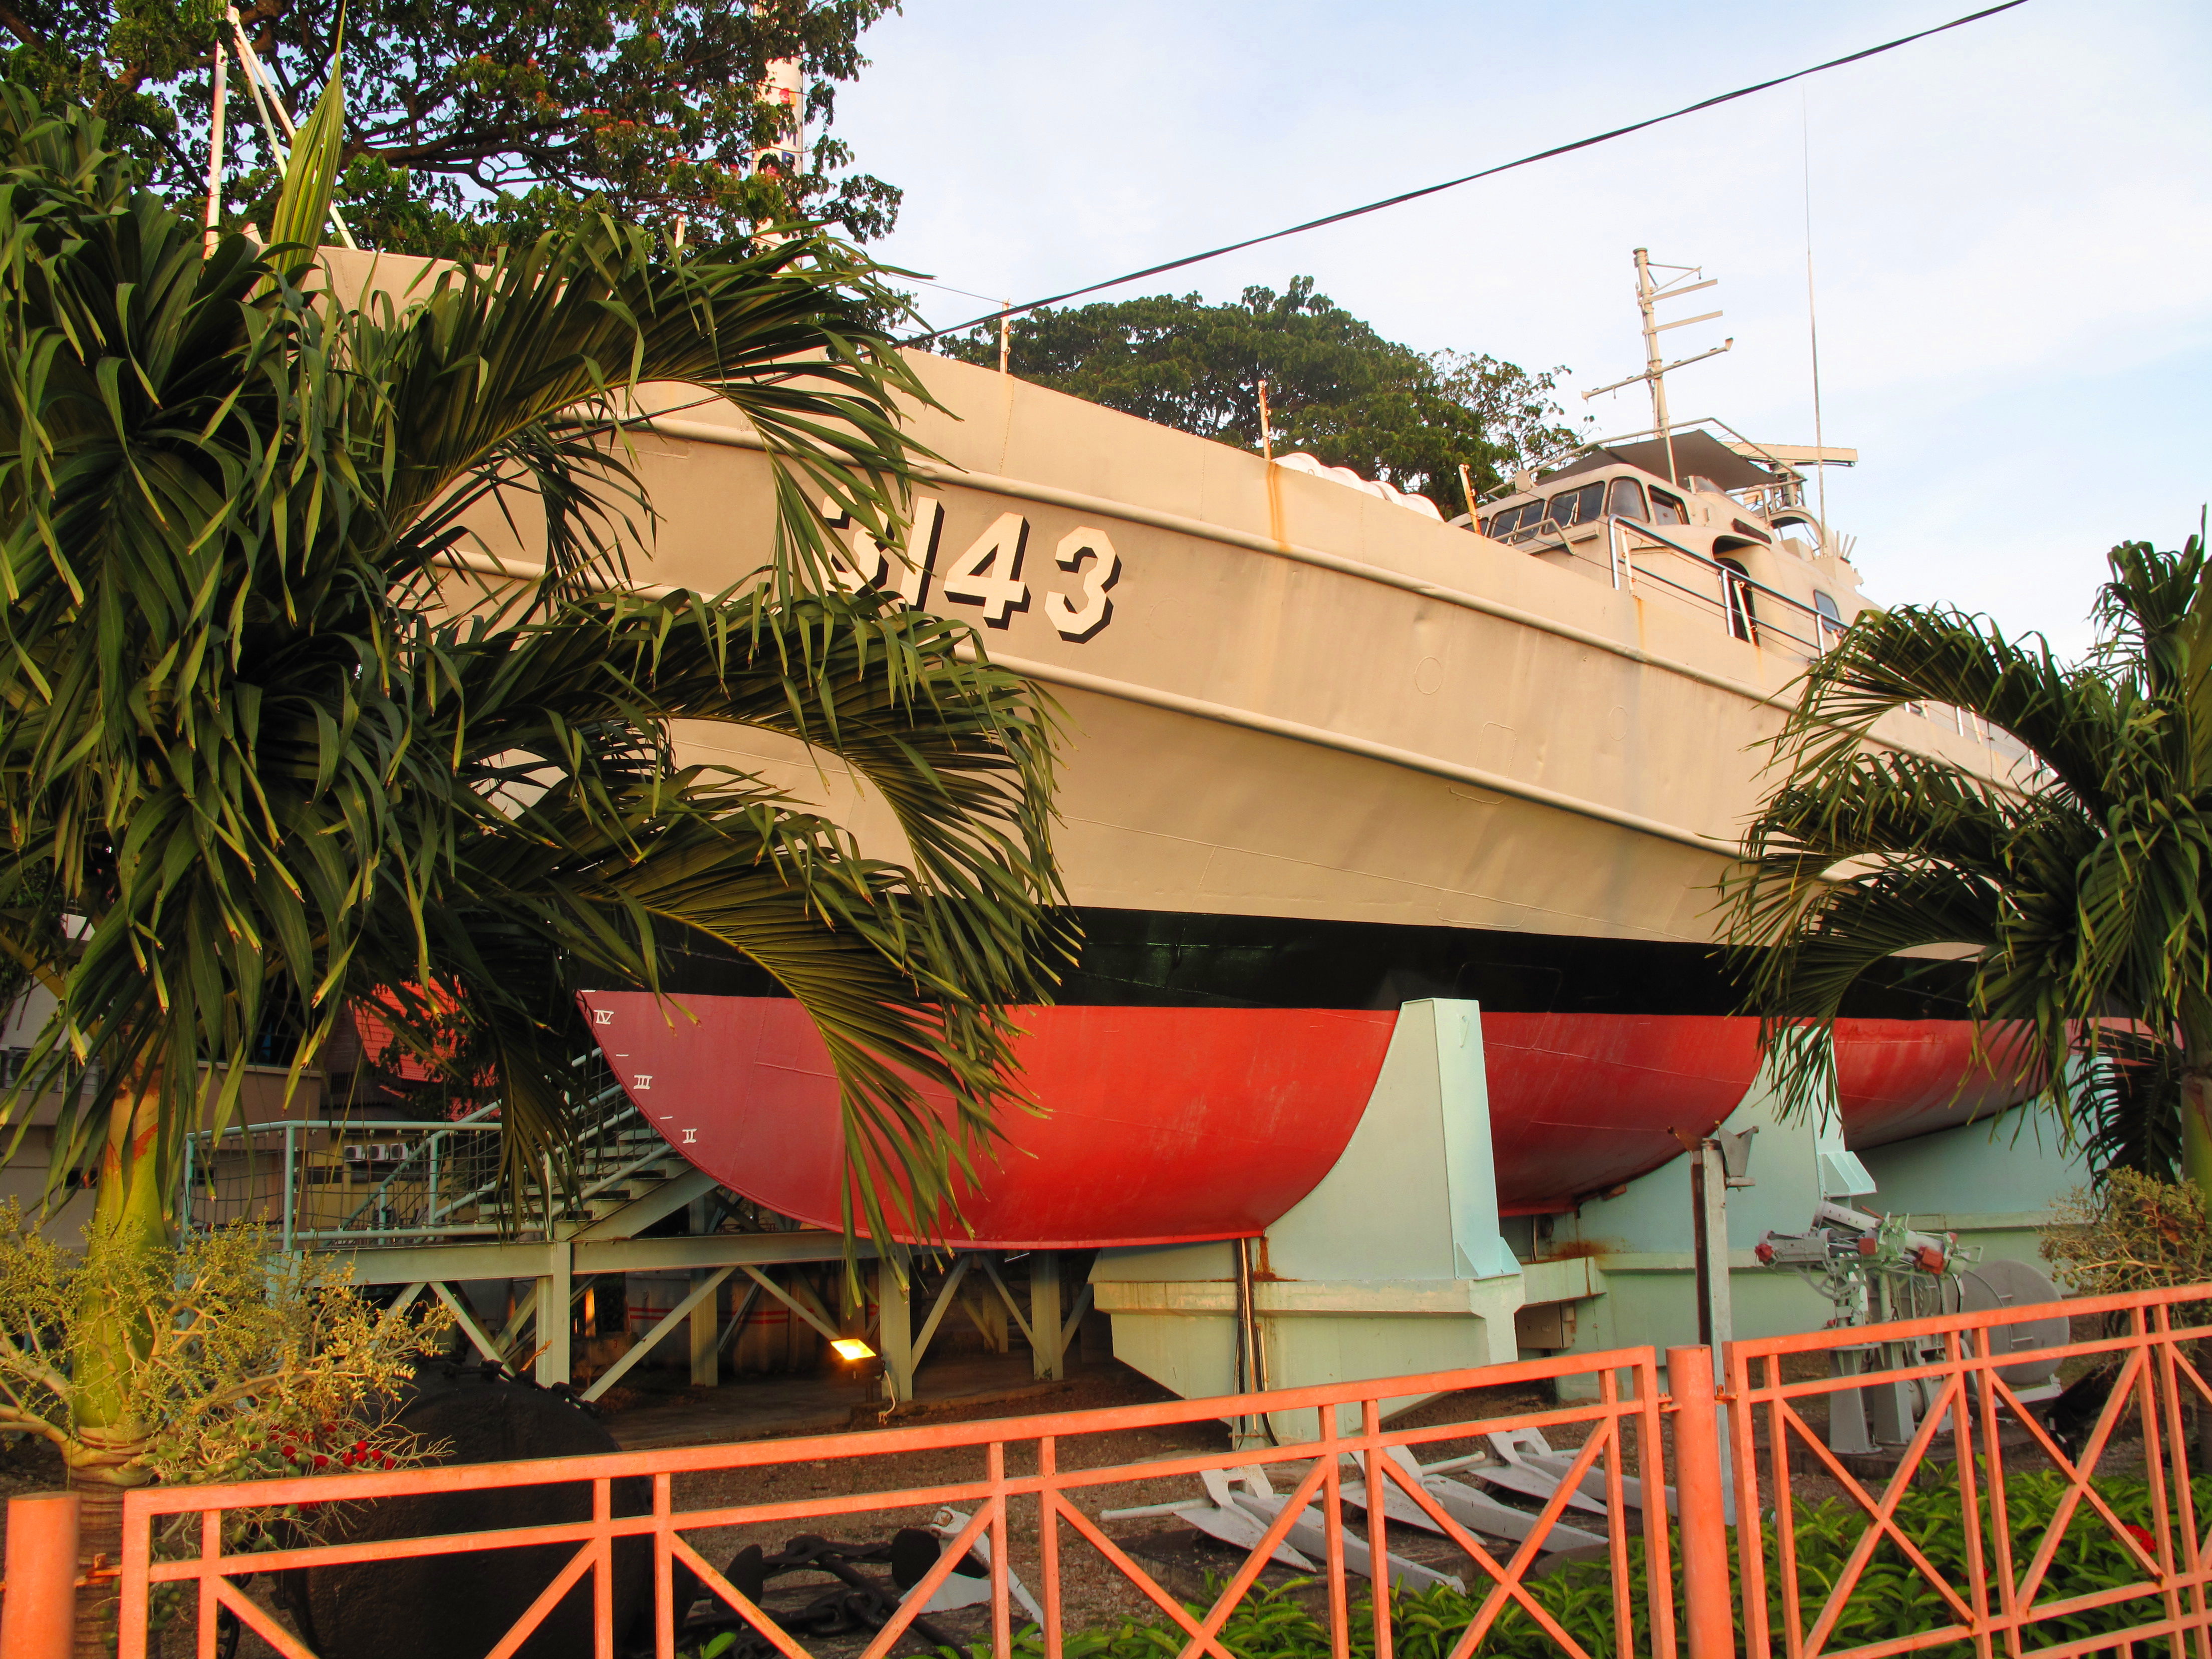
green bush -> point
(1892, 1597)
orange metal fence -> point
(1036, 1464)
(2117, 1482)
(1986, 1569)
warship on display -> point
(1328, 753)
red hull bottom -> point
(1170, 1124)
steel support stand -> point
(705, 1332)
(897, 1335)
(1046, 1347)
(554, 1292)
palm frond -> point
(2078, 885)
(245, 744)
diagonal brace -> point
(792, 1303)
(614, 1373)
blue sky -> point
(2012, 223)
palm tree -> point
(263, 750)
(2078, 886)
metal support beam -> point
(408, 1264)
(663, 1201)
(729, 1337)
(941, 1306)
(897, 1338)
(705, 1327)
(1007, 1295)
(1074, 1321)
(452, 1264)
(792, 1303)
(678, 1315)
(555, 1290)
(467, 1321)
(1044, 1315)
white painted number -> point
(1080, 622)
(644, 1082)
(689, 1136)
(905, 570)
(603, 1016)
(989, 574)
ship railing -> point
(441, 1185)
(1820, 633)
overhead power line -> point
(1468, 178)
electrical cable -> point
(1468, 178)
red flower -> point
(321, 1461)
(2141, 1535)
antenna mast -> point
(1649, 292)
(1647, 300)
(1812, 321)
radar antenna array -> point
(1650, 290)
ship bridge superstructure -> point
(1716, 524)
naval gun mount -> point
(1875, 1270)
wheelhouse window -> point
(1577, 506)
(1668, 509)
(1506, 520)
(1799, 529)
(1736, 598)
(1624, 498)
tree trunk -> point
(2196, 1119)
(131, 1209)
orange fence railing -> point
(1042, 1470)
(2009, 1497)
(2002, 1525)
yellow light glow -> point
(851, 1348)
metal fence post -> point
(291, 1133)
(1701, 1489)
(38, 1616)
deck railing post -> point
(38, 1616)
(1700, 1485)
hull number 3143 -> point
(988, 576)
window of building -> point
(1577, 506)
(1831, 618)
(1799, 529)
(1668, 509)
(1624, 498)
(1735, 588)
(1506, 520)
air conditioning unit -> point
(383, 1154)
(356, 1154)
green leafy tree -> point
(2077, 888)
(478, 123)
(256, 1365)
(263, 750)
(1335, 387)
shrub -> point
(1892, 1597)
